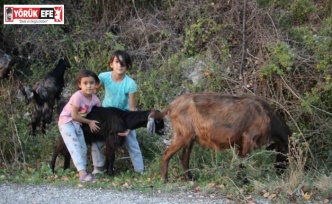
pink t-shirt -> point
(84, 106)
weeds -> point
(287, 62)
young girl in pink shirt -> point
(73, 115)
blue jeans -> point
(132, 147)
(134, 151)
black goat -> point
(111, 122)
(44, 94)
(5, 64)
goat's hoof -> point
(110, 174)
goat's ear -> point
(151, 126)
(156, 114)
(66, 61)
(29, 95)
(35, 96)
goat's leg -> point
(110, 163)
(57, 149)
(271, 147)
(47, 115)
(37, 114)
(186, 151)
(60, 148)
(53, 161)
(34, 124)
(43, 127)
(110, 157)
(66, 163)
(245, 147)
(281, 159)
(175, 146)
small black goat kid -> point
(111, 122)
(44, 94)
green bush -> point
(288, 44)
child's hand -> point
(93, 126)
(124, 134)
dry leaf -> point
(126, 185)
(221, 186)
(266, 194)
(52, 177)
(153, 176)
(272, 196)
(105, 180)
(211, 185)
(241, 190)
(80, 185)
(326, 201)
(305, 189)
(251, 202)
(64, 178)
(289, 192)
(248, 198)
(175, 172)
(306, 196)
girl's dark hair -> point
(126, 60)
(86, 73)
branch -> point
(243, 37)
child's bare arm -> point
(92, 123)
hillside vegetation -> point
(278, 50)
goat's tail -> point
(61, 104)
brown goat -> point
(218, 122)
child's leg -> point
(73, 137)
(134, 151)
(97, 155)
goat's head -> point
(65, 62)
(5, 64)
(26, 91)
(156, 123)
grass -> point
(297, 82)
(25, 159)
(215, 173)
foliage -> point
(280, 60)
(198, 34)
(179, 47)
